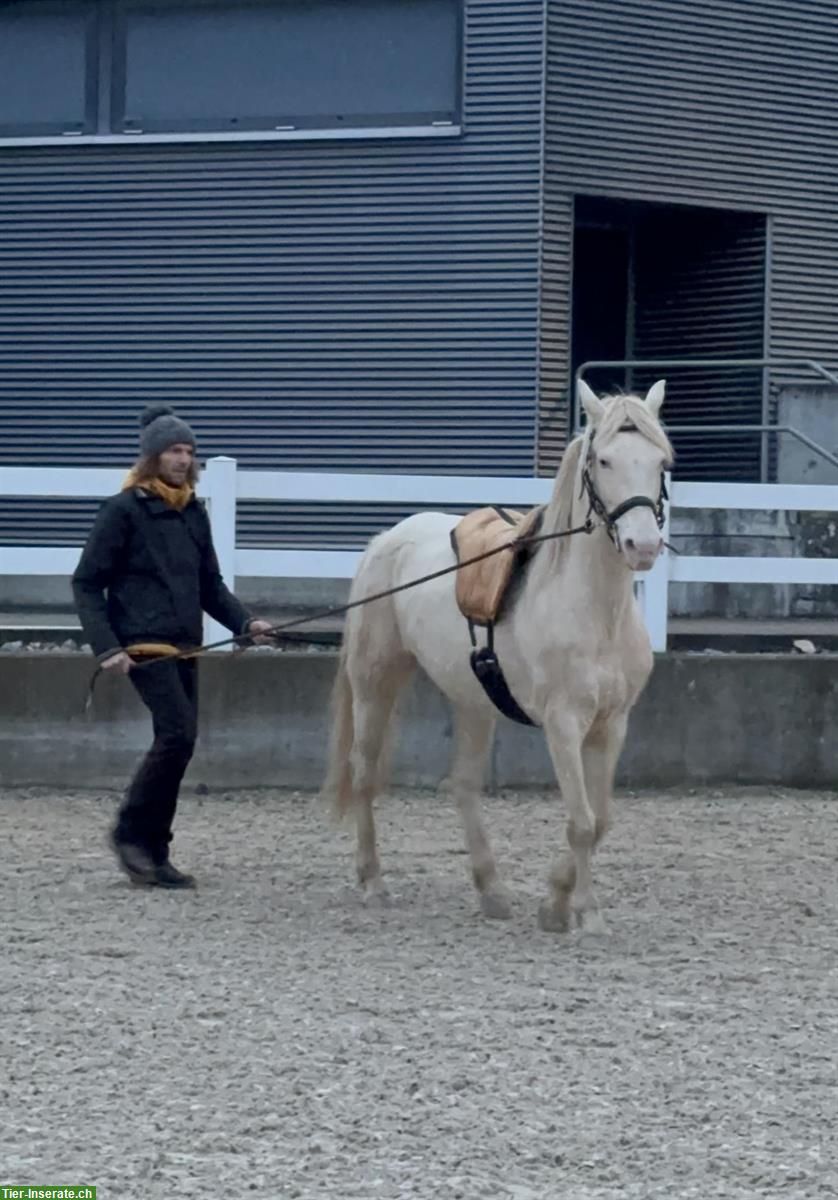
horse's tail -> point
(338, 786)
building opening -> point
(654, 281)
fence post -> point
(220, 491)
(655, 588)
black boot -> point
(168, 876)
(135, 861)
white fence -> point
(222, 486)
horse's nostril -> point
(630, 544)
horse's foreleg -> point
(600, 753)
(571, 894)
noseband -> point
(610, 519)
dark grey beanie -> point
(160, 428)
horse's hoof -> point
(376, 895)
(552, 919)
(495, 906)
(592, 923)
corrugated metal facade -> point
(358, 305)
(406, 304)
(728, 104)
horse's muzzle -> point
(642, 555)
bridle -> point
(597, 505)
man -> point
(147, 574)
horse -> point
(573, 645)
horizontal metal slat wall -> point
(722, 104)
(28, 522)
(345, 305)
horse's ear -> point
(654, 397)
(593, 406)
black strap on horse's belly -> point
(490, 676)
(484, 663)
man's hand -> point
(120, 663)
(257, 629)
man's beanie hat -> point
(160, 428)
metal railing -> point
(666, 364)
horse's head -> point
(623, 461)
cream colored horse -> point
(574, 650)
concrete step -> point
(745, 635)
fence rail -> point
(223, 485)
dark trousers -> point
(170, 691)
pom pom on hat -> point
(153, 412)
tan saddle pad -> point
(481, 587)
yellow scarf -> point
(175, 497)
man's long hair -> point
(148, 467)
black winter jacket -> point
(147, 573)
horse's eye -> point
(603, 462)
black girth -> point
(487, 668)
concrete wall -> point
(53, 594)
(756, 535)
(812, 410)
(704, 719)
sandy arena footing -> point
(270, 1035)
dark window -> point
(47, 68)
(219, 66)
(301, 63)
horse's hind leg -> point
(473, 733)
(374, 694)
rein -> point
(607, 520)
(276, 631)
